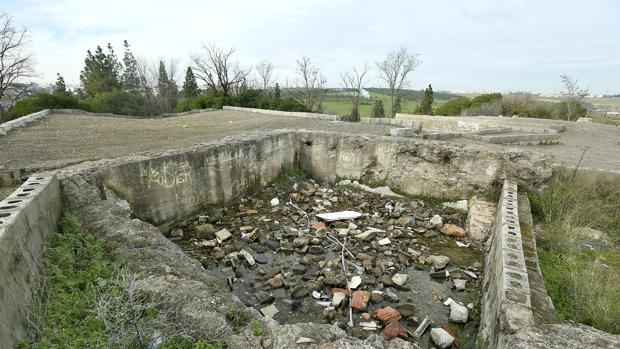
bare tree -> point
(572, 95)
(394, 70)
(309, 89)
(353, 82)
(264, 68)
(217, 70)
(15, 63)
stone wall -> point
(416, 166)
(28, 218)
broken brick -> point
(386, 314)
(360, 300)
(394, 329)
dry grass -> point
(581, 273)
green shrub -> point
(43, 101)
(486, 98)
(377, 110)
(453, 107)
(291, 104)
(121, 103)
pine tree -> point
(276, 95)
(377, 109)
(131, 80)
(60, 88)
(101, 72)
(426, 103)
(190, 87)
(166, 89)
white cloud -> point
(490, 45)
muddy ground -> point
(294, 266)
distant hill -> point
(414, 95)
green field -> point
(338, 103)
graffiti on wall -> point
(169, 174)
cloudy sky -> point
(469, 45)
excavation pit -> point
(295, 263)
(137, 204)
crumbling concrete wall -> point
(416, 166)
(506, 300)
(28, 218)
(165, 188)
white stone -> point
(222, 235)
(438, 261)
(384, 241)
(355, 282)
(436, 221)
(461, 205)
(269, 311)
(400, 279)
(316, 295)
(459, 284)
(369, 326)
(441, 337)
(337, 299)
(458, 313)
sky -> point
(469, 45)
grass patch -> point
(581, 273)
(85, 299)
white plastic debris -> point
(460, 244)
(338, 216)
(369, 326)
(337, 299)
(275, 202)
(316, 295)
(461, 205)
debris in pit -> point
(360, 300)
(386, 314)
(222, 235)
(441, 337)
(270, 311)
(393, 330)
(422, 327)
(338, 216)
(302, 281)
(453, 230)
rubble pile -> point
(304, 252)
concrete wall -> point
(506, 298)
(417, 166)
(24, 120)
(28, 217)
(478, 123)
(168, 187)
(285, 113)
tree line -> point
(132, 86)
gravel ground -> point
(64, 139)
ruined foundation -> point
(129, 202)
